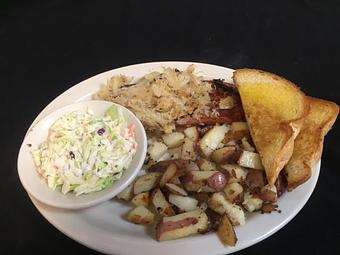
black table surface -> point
(48, 46)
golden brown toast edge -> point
(303, 160)
(291, 128)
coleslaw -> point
(85, 152)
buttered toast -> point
(309, 143)
(275, 109)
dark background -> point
(47, 47)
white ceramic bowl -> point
(36, 185)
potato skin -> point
(182, 225)
(226, 232)
(217, 181)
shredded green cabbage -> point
(85, 152)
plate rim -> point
(312, 182)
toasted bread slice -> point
(309, 143)
(275, 109)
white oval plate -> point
(36, 185)
(103, 228)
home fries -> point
(218, 151)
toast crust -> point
(309, 143)
(272, 127)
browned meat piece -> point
(268, 208)
(268, 196)
(255, 179)
(281, 184)
(202, 197)
(224, 86)
(160, 166)
(224, 116)
(220, 91)
(214, 219)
